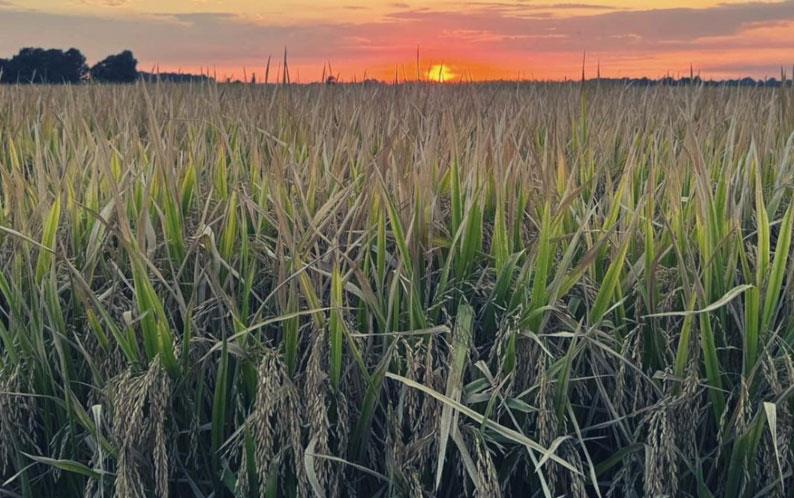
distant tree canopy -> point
(38, 65)
(118, 68)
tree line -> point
(54, 66)
(39, 65)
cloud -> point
(650, 28)
(585, 6)
(543, 6)
(106, 3)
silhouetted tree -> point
(118, 68)
(38, 65)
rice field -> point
(382, 291)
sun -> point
(440, 73)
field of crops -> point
(414, 290)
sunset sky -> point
(501, 39)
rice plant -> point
(411, 290)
